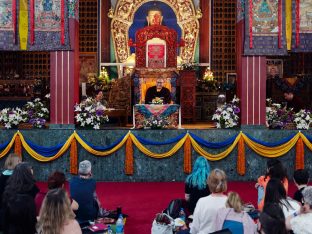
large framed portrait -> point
(88, 67)
(274, 67)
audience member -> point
(207, 207)
(234, 218)
(18, 194)
(56, 180)
(56, 215)
(196, 183)
(275, 193)
(275, 169)
(301, 179)
(83, 190)
(20, 215)
(301, 222)
(272, 220)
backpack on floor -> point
(174, 208)
(162, 224)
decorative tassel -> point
(299, 154)
(14, 20)
(18, 146)
(241, 159)
(297, 22)
(73, 157)
(62, 22)
(279, 20)
(250, 24)
(187, 156)
(129, 157)
(32, 21)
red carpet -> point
(141, 201)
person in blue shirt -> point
(83, 190)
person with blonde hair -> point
(234, 218)
(56, 216)
(207, 207)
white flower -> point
(47, 96)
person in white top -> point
(207, 207)
(56, 214)
(276, 193)
(301, 222)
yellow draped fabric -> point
(9, 146)
(23, 23)
(42, 158)
(271, 152)
(214, 157)
(100, 153)
(288, 23)
(147, 152)
(187, 141)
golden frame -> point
(122, 19)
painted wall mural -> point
(306, 16)
(6, 15)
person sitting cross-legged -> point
(83, 190)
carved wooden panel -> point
(187, 96)
(120, 94)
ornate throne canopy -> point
(123, 16)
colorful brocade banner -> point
(276, 27)
(43, 25)
(186, 140)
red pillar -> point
(204, 32)
(251, 74)
(105, 31)
(64, 79)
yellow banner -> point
(23, 23)
(288, 24)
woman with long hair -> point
(272, 220)
(20, 189)
(276, 193)
(56, 215)
(234, 217)
(275, 169)
(196, 183)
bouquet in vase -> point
(303, 119)
(11, 117)
(156, 122)
(226, 115)
(89, 114)
(157, 101)
(37, 113)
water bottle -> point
(119, 225)
(182, 214)
(109, 229)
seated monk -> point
(158, 91)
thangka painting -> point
(265, 17)
(6, 15)
(305, 16)
(47, 15)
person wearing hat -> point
(83, 190)
(301, 222)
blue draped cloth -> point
(214, 145)
(102, 148)
(170, 141)
(271, 144)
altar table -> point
(156, 116)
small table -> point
(120, 114)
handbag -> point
(162, 224)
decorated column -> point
(65, 73)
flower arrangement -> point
(37, 112)
(278, 117)
(89, 114)
(156, 122)
(11, 117)
(303, 119)
(101, 82)
(227, 114)
(157, 101)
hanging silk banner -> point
(47, 15)
(23, 24)
(8, 16)
(305, 11)
(288, 10)
(32, 21)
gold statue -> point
(154, 17)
